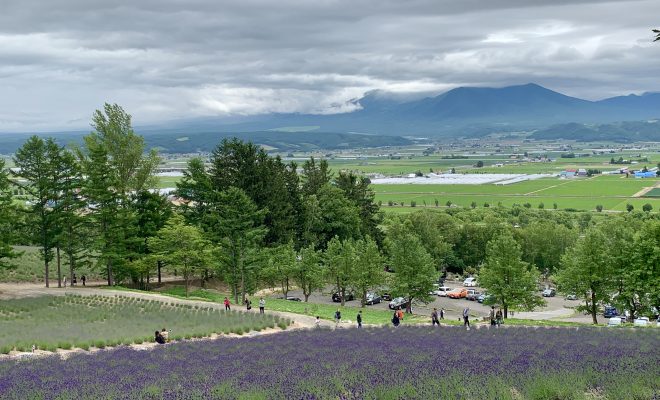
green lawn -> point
(30, 268)
(325, 311)
(52, 322)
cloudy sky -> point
(164, 59)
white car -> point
(614, 321)
(442, 291)
(470, 282)
(641, 321)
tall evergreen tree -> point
(115, 164)
(34, 166)
(236, 225)
(315, 175)
(356, 189)
(7, 218)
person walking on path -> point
(399, 314)
(359, 319)
(466, 318)
(498, 317)
(442, 313)
(395, 319)
(434, 317)
(262, 305)
(227, 304)
(64, 281)
(317, 323)
(491, 315)
(248, 304)
(74, 280)
(83, 279)
(337, 318)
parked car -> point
(291, 298)
(549, 292)
(610, 312)
(458, 293)
(385, 295)
(435, 288)
(641, 321)
(472, 295)
(373, 298)
(470, 282)
(442, 291)
(336, 297)
(571, 296)
(398, 303)
(614, 321)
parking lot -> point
(556, 308)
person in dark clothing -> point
(159, 338)
(442, 313)
(359, 319)
(74, 280)
(466, 317)
(83, 279)
(337, 317)
(491, 315)
(498, 317)
(248, 304)
(434, 317)
(395, 319)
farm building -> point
(582, 172)
(648, 174)
(569, 173)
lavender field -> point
(406, 363)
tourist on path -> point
(159, 338)
(337, 317)
(491, 315)
(359, 319)
(74, 280)
(498, 317)
(317, 323)
(64, 281)
(248, 304)
(395, 319)
(434, 317)
(165, 334)
(466, 317)
(262, 305)
(442, 313)
(399, 314)
(83, 279)
(227, 304)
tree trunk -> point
(109, 270)
(59, 268)
(69, 252)
(159, 263)
(593, 307)
(506, 311)
(185, 278)
(363, 300)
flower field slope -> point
(51, 322)
(403, 363)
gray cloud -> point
(165, 59)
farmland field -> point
(51, 322)
(613, 192)
(379, 363)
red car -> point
(458, 293)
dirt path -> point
(646, 190)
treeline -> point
(253, 220)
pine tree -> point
(7, 217)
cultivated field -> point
(51, 322)
(380, 363)
(613, 192)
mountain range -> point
(460, 112)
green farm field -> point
(613, 192)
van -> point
(470, 282)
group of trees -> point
(251, 219)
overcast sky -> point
(165, 59)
